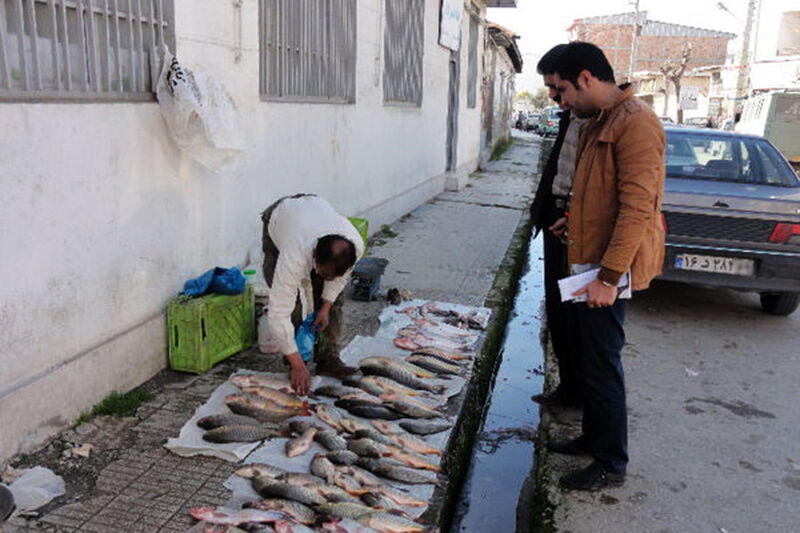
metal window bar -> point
(64, 50)
(308, 50)
(403, 50)
(472, 63)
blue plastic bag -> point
(305, 337)
(219, 280)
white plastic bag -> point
(200, 114)
(36, 487)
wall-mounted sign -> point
(689, 96)
(450, 24)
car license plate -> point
(717, 265)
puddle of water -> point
(503, 452)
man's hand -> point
(559, 229)
(300, 376)
(323, 317)
(599, 294)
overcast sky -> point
(542, 24)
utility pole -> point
(744, 60)
(635, 40)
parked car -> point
(532, 122)
(698, 122)
(666, 120)
(548, 122)
(732, 215)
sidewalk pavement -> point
(448, 249)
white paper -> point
(571, 284)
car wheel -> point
(780, 303)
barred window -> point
(82, 49)
(308, 50)
(403, 46)
(472, 63)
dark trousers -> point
(555, 268)
(329, 349)
(598, 336)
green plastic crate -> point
(362, 226)
(203, 331)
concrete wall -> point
(769, 70)
(500, 100)
(104, 218)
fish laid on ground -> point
(351, 425)
(335, 391)
(208, 514)
(390, 523)
(301, 480)
(365, 385)
(411, 459)
(259, 470)
(269, 488)
(348, 484)
(285, 526)
(301, 426)
(323, 467)
(447, 357)
(362, 396)
(297, 511)
(330, 440)
(410, 409)
(329, 415)
(367, 448)
(226, 419)
(413, 339)
(387, 428)
(261, 408)
(390, 362)
(414, 444)
(301, 444)
(367, 409)
(334, 494)
(373, 434)
(240, 434)
(433, 364)
(344, 510)
(388, 386)
(378, 501)
(397, 473)
(276, 396)
(425, 427)
(342, 457)
(399, 497)
(364, 477)
(255, 380)
(400, 375)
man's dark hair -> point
(578, 56)
(547, 64)
(341, 262)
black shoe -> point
(593, 477)
(576, 446)
(555, 399)
(7, 506)
(334, 367)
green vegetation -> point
(500, 148)
(117, 404)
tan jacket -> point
(615, 209)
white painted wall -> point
(768, 70)
(103, 218)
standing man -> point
(614, 222)
(308, 247)
(548, 207)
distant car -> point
(732, 215)
(532, 123)
(549, 120)
(666, 120)
(697, 122)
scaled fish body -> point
(226, 419)
(239, 434)
(259, 470)
(390, 523)
(367, 409)
(399, 497)
(276, 396)
(414, 444)
(447, 357)
(424, 427)
(330, 440)
(297, 511)
(433, 364)
(367, 448)
(410, 409)
(388, 386)
(301, 444)
(401, 376)
(402, 473)
(329, 415)
(389, 362)
(208, 514)
(335, 391)
(364, 477)
(411, 459)
(261, 408)
(351, 425)
(307, 495)
(260, 380)
(373, 434)
(323, 467)
(344, 510)
(342, 457)
(301, 480)
(387, 428)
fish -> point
(301, 444)
(387, 428)
(399, 497)
(364, 477)
(212, 516)
(351, 425)
(424, 427)
(262, 380)
(389, 362)
(239, 434)
(300, 426)
(411, 459)
(378, 501)
(336, 391)
(329, 415)
(259, 470)
(373, 434)
(405, 343)
(367, 448)
(405, 406)
(414, 444)
(365, 385)
(389, 386)
(447, 357)
(261, 409)
(342, 457)
(330, 440)
(307, 495)
(285, 526)
(389, 523)
(334, 494)
(362, 396)
(348, 484)
(367, 409)
(402, 376)
(323, 467)
(301, 480)
(344, 510)
(276, 396)
(433, 364)
(226, 419)
(401, 473)
(338, 524)
(295, 510)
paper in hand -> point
(571, 284)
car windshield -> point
(726, 158)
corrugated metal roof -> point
(653, 28)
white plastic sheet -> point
(36, 487)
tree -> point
(538, 100)
(673, 72)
